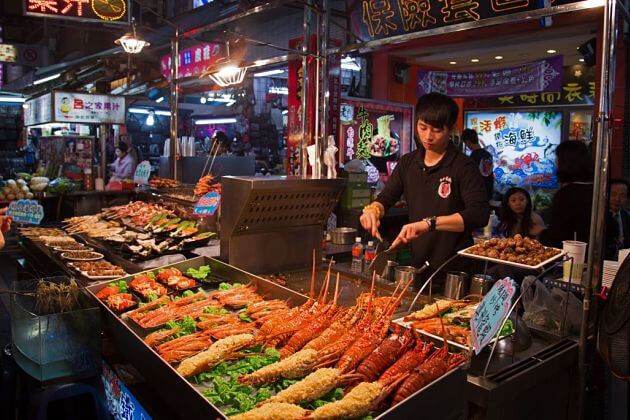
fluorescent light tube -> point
(268, 73)
(215, 121)
(47, 79)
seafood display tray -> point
(435, 400)
(464, 253)
(437, 339)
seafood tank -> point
(227, 343)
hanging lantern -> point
(130, 42)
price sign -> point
(491, 312)
(26, 211)
(143, 171)
(208, 204)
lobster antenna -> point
(392, 296)
(399, 298)
(369, 308)
(321, 297)
(336, 290)
(312, 293)
(328, 279)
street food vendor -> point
(443, 188)
(124, 165)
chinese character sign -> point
(539, 76)
(192, 61)
(86, 108)
(111, 11)
(379, 132)
(491, 312)
(142, 173)
(208, 204)
(38, 110)
(522, 144)
(121, 403)
(375, 19)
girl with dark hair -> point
(517, 216)
(571, 205)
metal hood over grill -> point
(274, 223)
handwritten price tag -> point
(143, 172)
(26, 211)
(208, 204)
(491, 312)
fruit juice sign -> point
(522, 144)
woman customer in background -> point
(571, 205)
(517, 216)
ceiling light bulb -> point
(150, 119)
(581, 60)
(498, 57)
(551, 51)
(474, 60)
(203, 99)
(452, 62)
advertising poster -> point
(376, 131)
(522, 144)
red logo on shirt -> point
(444, 190)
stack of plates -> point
(610, 271)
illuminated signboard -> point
(523, 145)
(192, 61)
(111, 11)
(8, 53)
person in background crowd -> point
(571, 205)
(517, 216)
(482, 158)
(443, 188)
(5, 225)
(618, 223)
(220, 143)
(124, 165)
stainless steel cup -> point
(456, 285)
(480, 284)
(389, 270)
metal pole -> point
(103, 136)
(304, 139)
(324, 94)
(317, 169)
(600, 187)
(173, 156)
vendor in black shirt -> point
(443, 188)
(481, 157)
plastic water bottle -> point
(489, 230)
(370, 254)
(357, 256)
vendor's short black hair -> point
(574, 162)
(470, 136)
(123, 147)
(440, 111)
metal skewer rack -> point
(271, 224)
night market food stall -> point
(222, 311)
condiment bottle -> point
(357, 256)
(370, 253)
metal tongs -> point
(381, 258)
